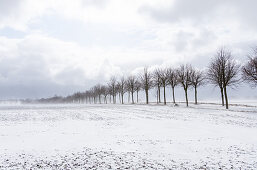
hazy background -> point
(59, 47)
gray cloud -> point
(182, 9)
(202, 11)
(7, 7)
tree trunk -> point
(222, 95)
(122, 98)
(137, 96)
(226, 96)
(164, 94)
(113, 98)
(173, 95)
(100, 99)
(132, 97)
(128, 96)
(186, 97)
(159, 93)
(195, 95)
(146, 96)
(157, 100)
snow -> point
(128, 136)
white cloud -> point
(133, 34)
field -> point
(205, 136)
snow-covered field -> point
(127, 137)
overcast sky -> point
(50, 47)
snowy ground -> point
(127, 137)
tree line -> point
(223, 72)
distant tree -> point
(197, 79)
(112, 84)
(146, 83)
(105, 93)
(122, 83)
(86, 96)
(94, 94)
(131, 84)
(128, 91)
(98, 91)
(249, 70)
(156, 77)
(118, 90)
(89, 96)
(138, 87)
(55, 99)
(110, 92)
(172, 81)
(164, 82)
(184, 76)
(226, 69)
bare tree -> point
(197, 79)
(156, 77)
(117, 90)
(172, 81)
(249, 70)
(146, 83)
(105, 93)
(131, 83)
(230, 71)
(164, 82)
(227, 70)
(138, 88)
(214, 76)
(94, 94)
(128, 91)
(184, 76)
(87, 95)
(98, 92)
(112, 84)
(122, 84)
(110, 92)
